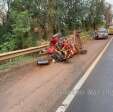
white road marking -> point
(75, 90)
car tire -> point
(96, 38)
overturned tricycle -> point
(61, 49)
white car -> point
(101, 33)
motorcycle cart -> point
(61, 49)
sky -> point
(110, 1)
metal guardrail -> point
(14, 54)
(84, 36)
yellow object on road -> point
(110, 30)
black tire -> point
(58, 57)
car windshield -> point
(102, 30)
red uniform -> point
(51, 50)
(54, 41)
(68, 47)
(65, 45)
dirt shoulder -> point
(42, 89)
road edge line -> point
(65, 104)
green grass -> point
(17, 61)
(85, 36)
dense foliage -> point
(27, 21)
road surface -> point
(42, 89)
(96, 95)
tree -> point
(28, 21)
(108, 14)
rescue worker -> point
(78, 40)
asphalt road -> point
(96, 95)
(31, 88)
